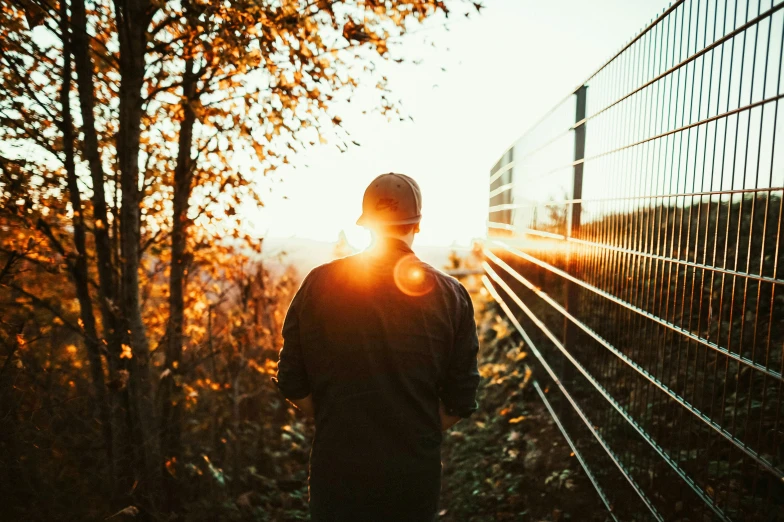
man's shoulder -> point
(445, 280)
(330, 267)
(339, 263)
(439, 274)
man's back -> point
(378, 339)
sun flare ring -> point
(411, 278)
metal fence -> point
(634, 242)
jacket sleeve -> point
(292, 377)
(458, 391)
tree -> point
(342, 247)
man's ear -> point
(416, 229)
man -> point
(381, 349)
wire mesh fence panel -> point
(634, 237)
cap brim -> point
(364, 221)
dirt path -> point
(509, 461)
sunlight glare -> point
(411, 278)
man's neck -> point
(408, 239)
(387, 244)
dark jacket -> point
(378, 338)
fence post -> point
(573, 220)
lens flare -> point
(411, 278)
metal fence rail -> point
(634, 242)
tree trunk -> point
(103, 247)
(133, 17)
(84, 70)
(171, 414)
(78, 267)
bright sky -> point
(504, 69)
